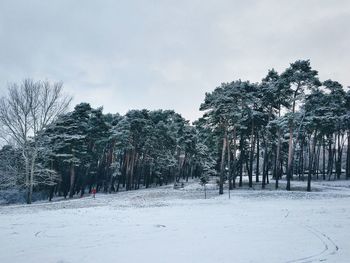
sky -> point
(166, 54)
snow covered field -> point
(166, 225)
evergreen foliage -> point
(290, 125)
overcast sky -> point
(166, 54)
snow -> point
(168, 225)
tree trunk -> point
(301, 173)
(51, 192)
(317, 160)
(278, 158)
(311, 158)
(290, 157)
(133, 160)
(222, 166)
(72, 180)
(324, 159)
(177, 173)
(27, 176)
(241, 154)
(265, 166)
(267, 170)
(290, 144)
(334, 160)
(330, 159)
(339, 157)
(348, 158)
(31, 177)
(251, 156)
(229, 165)
(110, 160)
(234, 158)
(257, 158)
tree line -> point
(288, 125)
(69, 153)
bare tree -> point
(24, 113)
(11, 168)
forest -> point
(289, 126)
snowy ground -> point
(166, 225)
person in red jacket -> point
(93, 191)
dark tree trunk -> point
(251, 156)
(52, 189)
(229, 165)
(265, 160)
(127, 171)
(290, 157)
(317, 160)
(234, 158)
(324, 159)
(222, 166)
(133, 161)
(257, 158)
(331, 157)
(72, 180)
(241, 150)
(311, 158)
(348, 158)
(301, 174)
(278, 161)
(340, 154)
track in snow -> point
(329, 247)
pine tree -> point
(299, 76)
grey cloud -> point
(167, 54)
